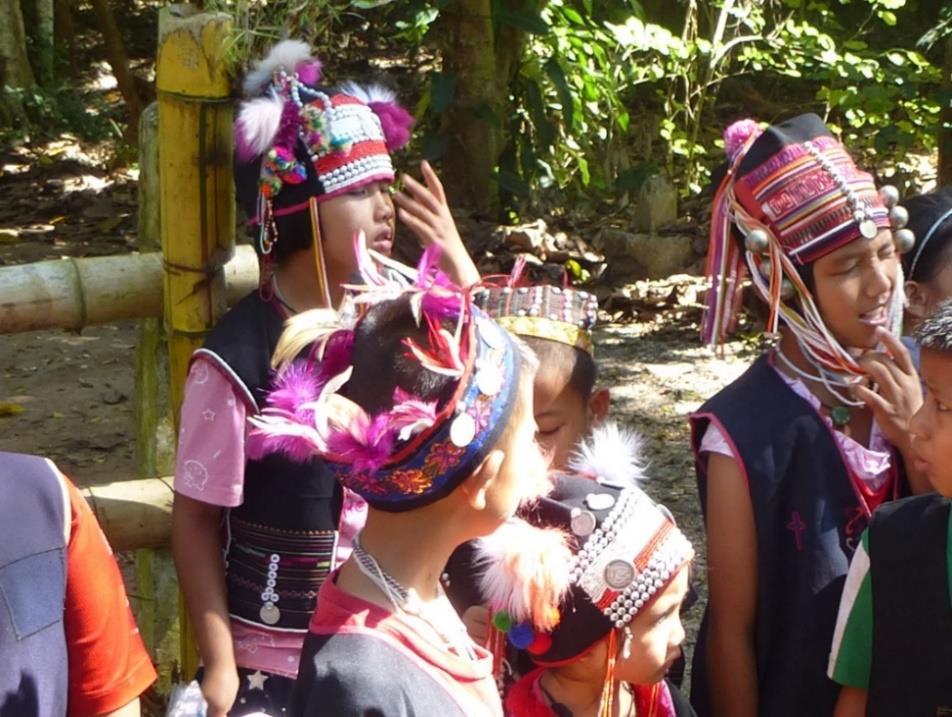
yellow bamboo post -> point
(198, 208)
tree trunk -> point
(472, 120)
(38, 20)
(15, 68)
(945, 119)
(119, 62)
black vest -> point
(290, 510)
(33, 660)
(809, 519)
(911, 671)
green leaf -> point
(572, 16)
(554, 70)
(887, 17)
(526, 20)
(897, 58)
(369, 4)
(442, 91)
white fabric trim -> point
(859, 568)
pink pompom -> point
(396, 123)
(737, 134)
(309, 72)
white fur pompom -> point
(287, 54)
(257, 126)
(612, 456)
(369, 93)
(526, 572)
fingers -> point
(883, 372)
(423, 229)
(433, 181)
(873, 400)
(421, 194)
(897, 350)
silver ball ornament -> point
(898, 217)
(890, 195)
(765, 268)
(757, 241)
(786, 290)
(904, 239)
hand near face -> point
(424, 209)
(898, 393)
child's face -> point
(656, 636)
(561, 415)
(369, 209)
(853, 286)
(931, 427)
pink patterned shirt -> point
(210, 467)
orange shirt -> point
(108, 663)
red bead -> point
(541, 644)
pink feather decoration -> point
(396, 122)
(737, 134)
(259, 121)
(295, 388)
(309, 72)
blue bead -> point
(521, 635)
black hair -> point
(936, 331)
(582, 369)
(381, 363)
(924, 212)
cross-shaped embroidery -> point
(797, 526)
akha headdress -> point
(789, 195)
(561, 314)
(296, 141)
(417, 451)
(585, 560)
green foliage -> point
(47, 111)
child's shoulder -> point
(915, 519)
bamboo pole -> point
(75, 293)
(198, 208)
(133, 513)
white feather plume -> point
(287, 54)
(368, 93)
(612, 455)
(258, 123)
(525, 571)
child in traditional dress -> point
(590, 585)
(794, 455)
(892, 649)
(424, 409)
(312, 168)
(928, 268)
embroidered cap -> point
(296, 140)
(417, 451)
(565, 315)
(586, 559)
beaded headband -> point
(794, 195)
(417, 451)
(561, 314)
(587, 559)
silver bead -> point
(890, 195)
(904, 239)
(757, 241)
(765, 268)
(786, 289)
(898, 217)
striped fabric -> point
(806, 206)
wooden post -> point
(198, 207)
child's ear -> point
(917, 299)
(598, 405)
(478, 484)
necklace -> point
(561, 710)
(840, 414)
(406, 601)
